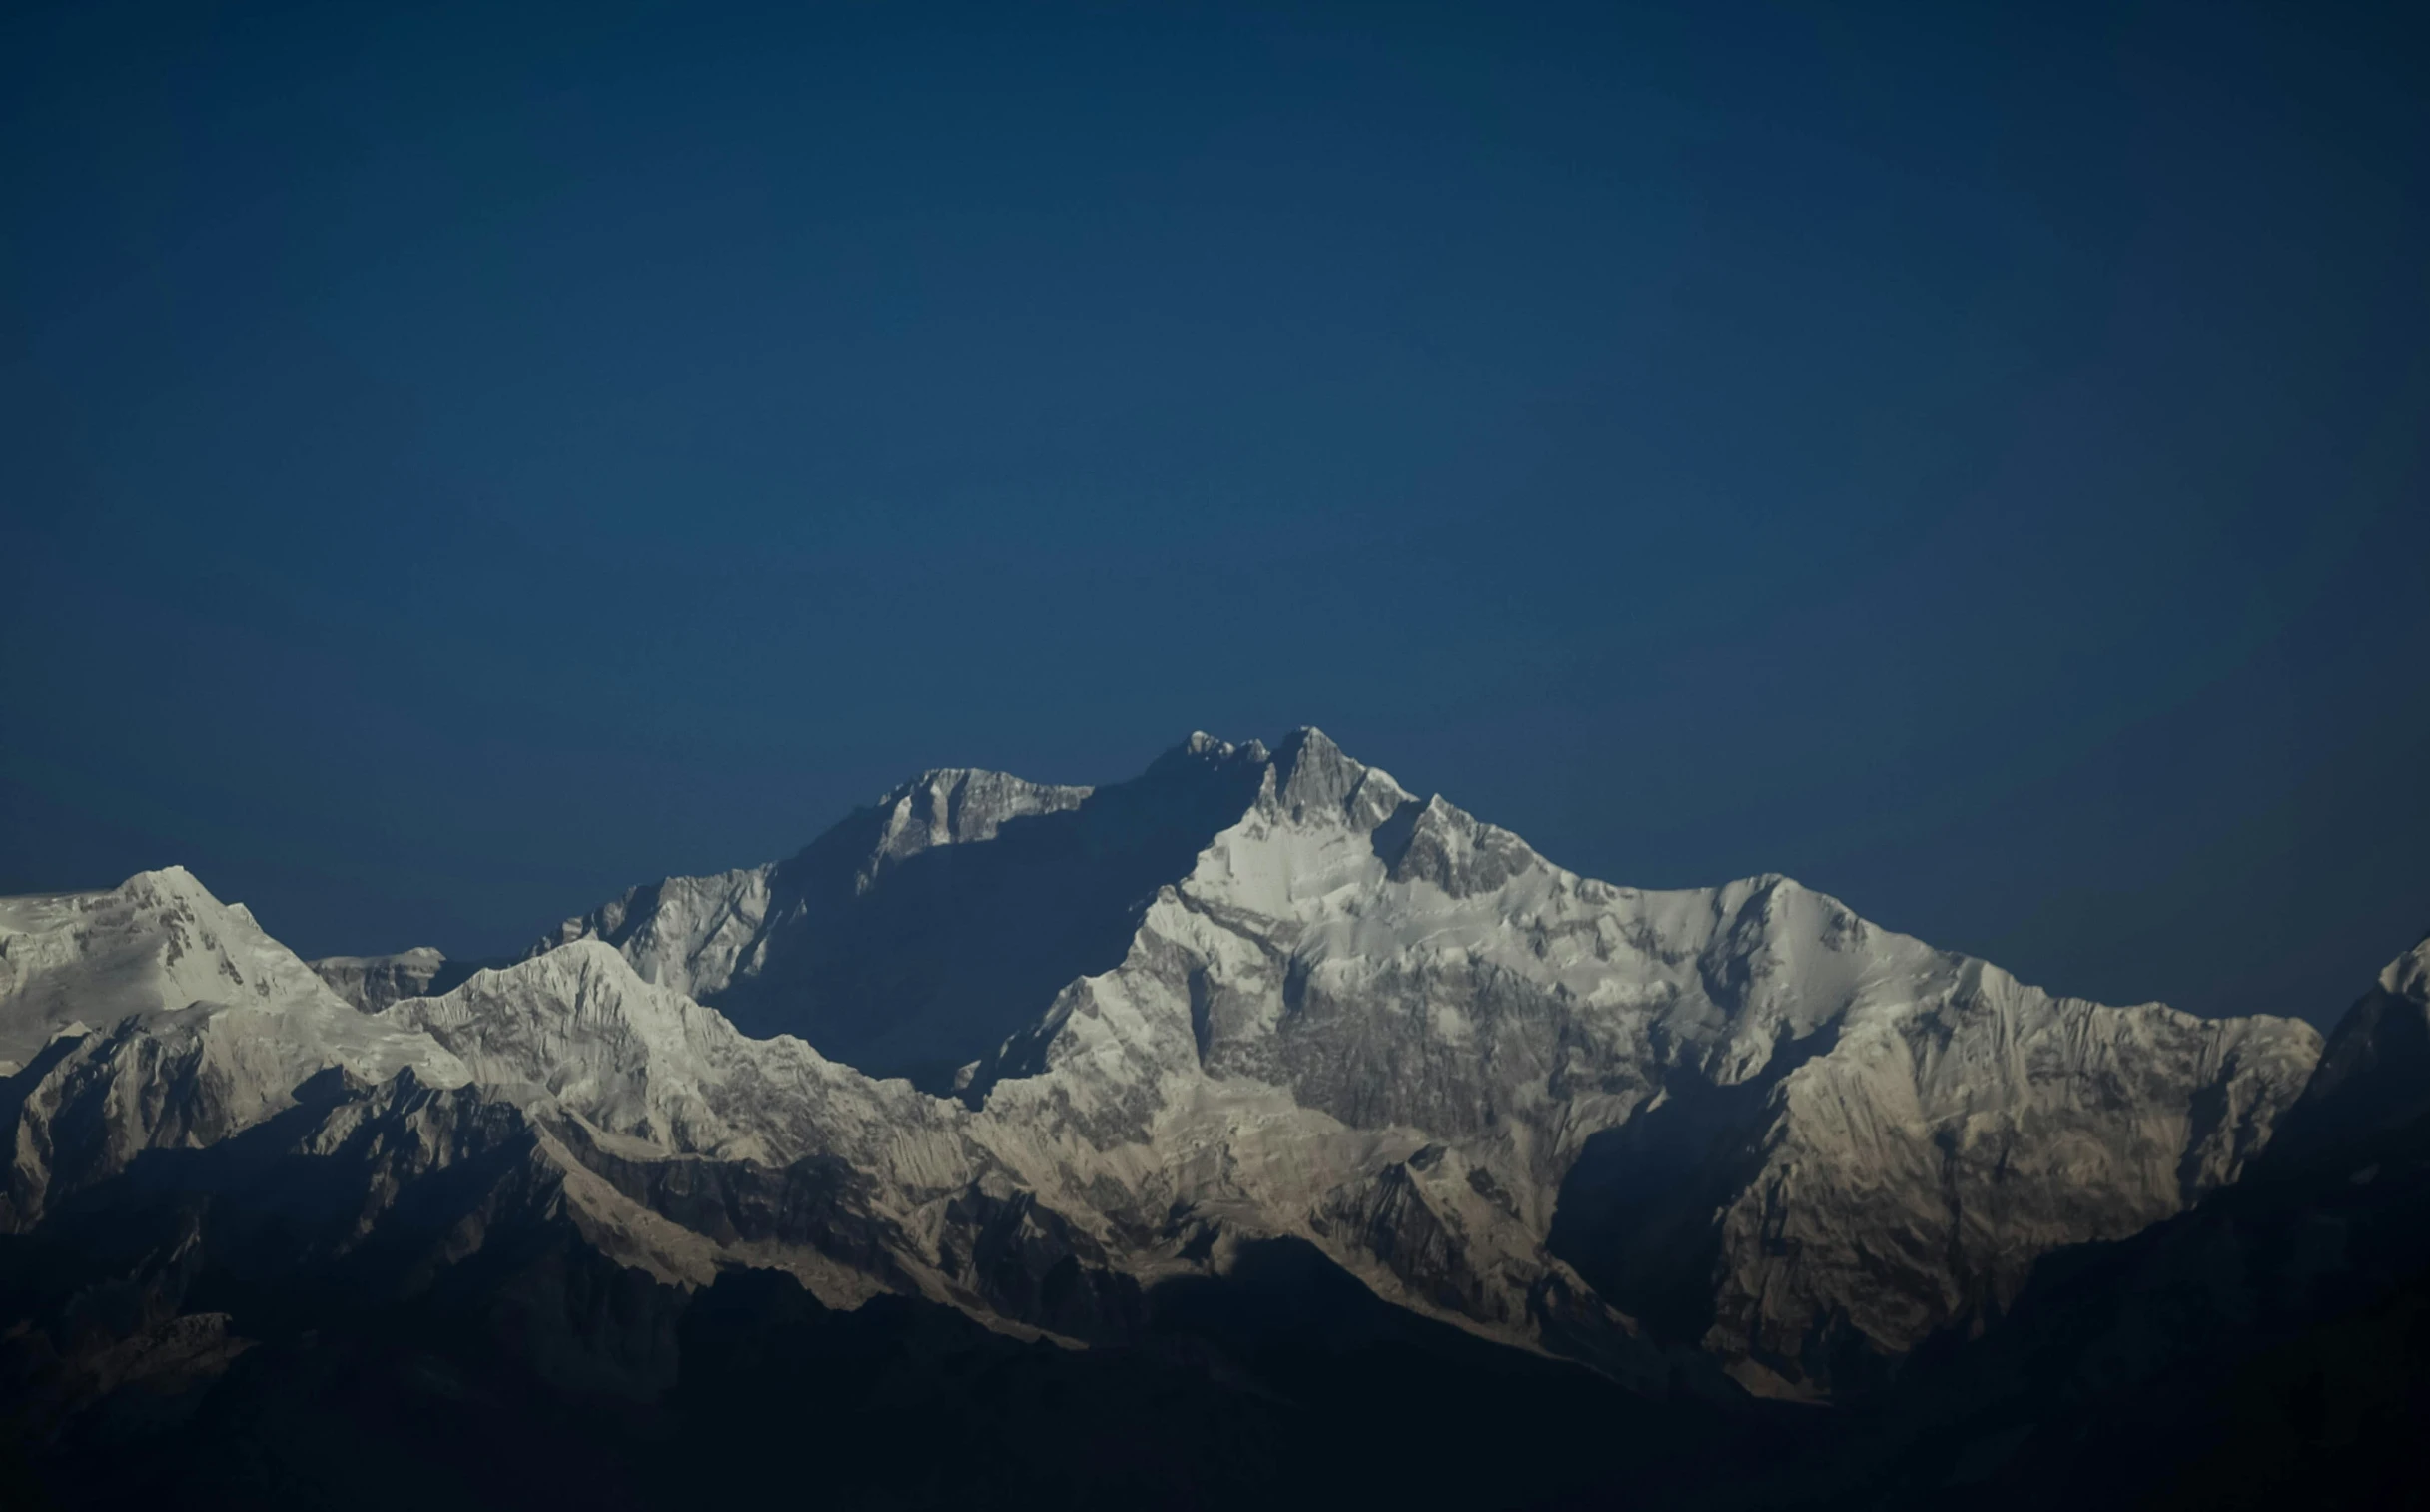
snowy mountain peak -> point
(157, 940)
(153, 1016)
(1450, 848)
(1316, 781)
(959, 805)
(633, 1060)
(1262, 993)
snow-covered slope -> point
(699, 934)
(662, 1101)
(583, 1095)
(915, 934)
(778, 1157)
(153, 1016)
(160, 940)
(2264, 1348)
(1559, 1112)
(1249, 995)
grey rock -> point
(1031, 1051)
(1753, 1123)
(371, 983)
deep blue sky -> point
(456, 463)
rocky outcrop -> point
(2264, 1348)
(371, 983)
(2374, 1073)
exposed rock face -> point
(913, 935)
(1743, 1117)
(371, 983)
(583, 1097)
(2267, 1347)
(207, 1027)
(1249, 997)
(2374, 1072)
(159, 941)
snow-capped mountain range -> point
(1032, 1050)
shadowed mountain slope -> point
(1277, 1085)
(915, 934)
(2269, 1348)
(1304, 1001)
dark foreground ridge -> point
(538, 1373)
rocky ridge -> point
(371, 983)
(2264, 1347)
(1270, 1078)
(1566, 1114)
(1278, 999)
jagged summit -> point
(1201, 744)
(958, 805)
(1028, 1050)
(1257, 1044)
(919, 932)
(1640, 1095)
(632, 1059)
(159, 940)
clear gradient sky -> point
(458, 462)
